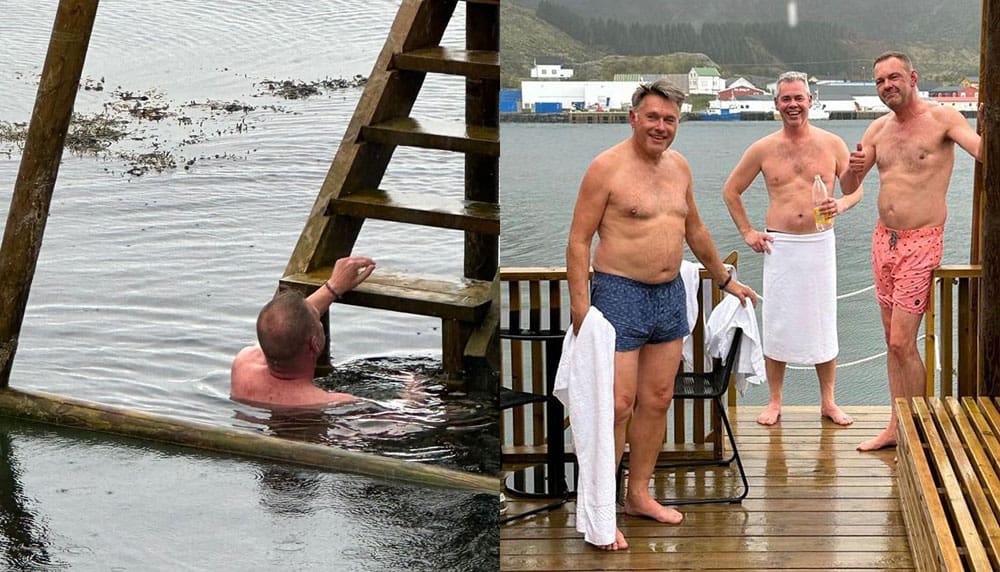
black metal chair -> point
(549, 479)
(712, 385)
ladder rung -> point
(474, 216)
(470, 63)
(434, 134)
(460, 299)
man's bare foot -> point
(647, 506)
(837, 415)
(770, 416)
(618, 544)
(883, 440)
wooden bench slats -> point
(933, 546)
(980, 440)
(948, 482)
(961, 516)
(960, 449)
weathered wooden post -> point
(29, 207)
(990, 289)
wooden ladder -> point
(468, 305)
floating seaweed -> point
(298, 89)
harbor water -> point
(159, 251)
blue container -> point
(510, 100)
(548, 107)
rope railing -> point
(841, 296)
(855, 362)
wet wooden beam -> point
(29, 207)
(69, 412)
(990, 152)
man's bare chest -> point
(644, 199)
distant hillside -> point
(524, 37)
(752, 36)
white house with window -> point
(705, 80)
(550, 68)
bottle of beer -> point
(823, 222)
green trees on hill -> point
(816, 48)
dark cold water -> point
(159, 251)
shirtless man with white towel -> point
(914, 148)
(800, 266)
(638, 197)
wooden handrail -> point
(941, 314)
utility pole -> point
(29, 206)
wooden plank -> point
(434, 134)
(924, 512)
(959, 437)
(690, 561)
(413, 208)
(482, 110)
(987, 436)
(931, 336)
(481, 64)
(455, 299)
(716, 515)
(481, 356)
(70, 412)
(968, 372)
(518, 378)
(512, 273)
(965, 534)
(945, 343)
(817, 528)
(709, 544)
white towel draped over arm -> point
(725, 318)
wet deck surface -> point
(815, 503)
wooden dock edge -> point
(64, 411)
(939, 489)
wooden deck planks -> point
(815, 504)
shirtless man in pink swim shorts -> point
(914, 149)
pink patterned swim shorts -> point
(903, 262)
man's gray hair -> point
(791, 76)
(660, 87)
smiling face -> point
(895, 82)
(793, 102)
(654, 123)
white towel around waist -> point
(800, 298)
(585, 383)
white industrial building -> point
(583, 95)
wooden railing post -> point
(940, 330)
(29, 206)
(989, 291)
